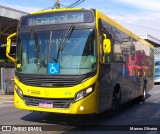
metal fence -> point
(7, 80)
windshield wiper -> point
(36, 49)
(63, 42)
(34, 36)
(66, 38)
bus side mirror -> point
(106, 45)
(8, 46)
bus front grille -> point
(30, 101)
(48, 80)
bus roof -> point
(105, 17)
(56, 10)
(115, 24)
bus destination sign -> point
(57, 18)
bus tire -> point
(115, 104)
(142, 98)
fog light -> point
(18, 102)
(81, 108)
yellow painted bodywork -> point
(89, 103)
(56, 10)
(8, 47)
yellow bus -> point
(78, 61)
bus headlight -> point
(80, 95)
(19, 91)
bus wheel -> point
(115, 104)
(143, 96)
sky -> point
(138, 16)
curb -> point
(6, 98)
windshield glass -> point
(157, 71)
(157, 63)
(157, 67)
(40, 52)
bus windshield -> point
(157, 62)
(37, 50)
(157, 67)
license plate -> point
(46, 104)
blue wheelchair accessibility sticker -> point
(53, 68)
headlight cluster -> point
(80, 95)
(19, 91)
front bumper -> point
(66, 106)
